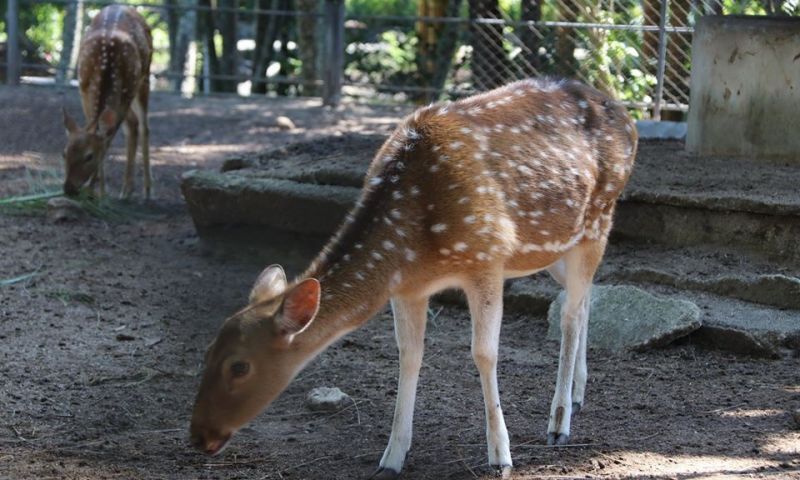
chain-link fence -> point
(637, 50)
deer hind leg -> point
(139, 106)
(485, 298)
(131, 127)
(410, 317)
(559, 272)
(579, 264)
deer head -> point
(253, 358)
(86, 148)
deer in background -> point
(466, 194)
(114, 77)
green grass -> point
(67, 297)
(104, 209)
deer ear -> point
(69, 122)
(269, 284)
(300, 306)
(107, 122)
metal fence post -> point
(662, 60)
(12, 49)
(334, 52)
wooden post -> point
(12, 51)
(334, 54)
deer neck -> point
(357, 271)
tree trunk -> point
(71, 40)
(173, 15)
(445, 49)
(428, 36)
(212, 64)
(531, 11)
(489, 61)
(230, 55)
(282, 88)
(307, 29)
(566, 40)
(266, 35)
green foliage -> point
(389, 59)
(43, 24)
(407, 8)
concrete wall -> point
(745, 87)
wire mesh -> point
(416, 51)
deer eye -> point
(88, 157)
(239, 369)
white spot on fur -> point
(438, 228)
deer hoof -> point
(385, 474)
(557, 439)
(502, 471)
(576, 408)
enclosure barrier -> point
(636, 50)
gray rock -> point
(329, 399)
(628, 318)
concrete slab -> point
(745, 87)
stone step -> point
(672, 198)
(677, 199)
(721, 271)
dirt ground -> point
(101, 346)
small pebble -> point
(328, 399)
(284, 123)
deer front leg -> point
(98, 182)
(410, 317)
(485, 298)
(131, 127)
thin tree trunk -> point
(173, 15)
(566, 40)
(282, 88)
(531, 11)
(267, 34)
(428, 36)
(445, 49)
(71, 39)
(307, 29)
(211, 60)
(489, 59)
(230, 56)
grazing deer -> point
(466, 194)
(114, 73)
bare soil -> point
(101, 347)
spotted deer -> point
(114, 78)
(465, 194)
